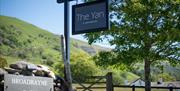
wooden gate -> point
(107, 80)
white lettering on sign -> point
(29, 82)
(89, 22)
(82, 17)
(91, 16)
(96, 15)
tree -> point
(82, 66)
(142, 30)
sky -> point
(46, 14)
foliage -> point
(143, 30)
(59, 68)
(165, 69)
(159, 68)
(166, 77)
(150, 25)
(10, 36)
(3, 62)
(81, 69)
(107, 58)
(119, 77)
(81, 66)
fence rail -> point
(155, 87)
(92, 87)
(109, 86)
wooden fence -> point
(110, 86)
(153, 87)
(107, 80)
(98, 80)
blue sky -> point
(46, 14)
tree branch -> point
(156, 20)
(165, 48)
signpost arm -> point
(67, 43)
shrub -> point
(81, 67)
(3, 62)
(166, 77)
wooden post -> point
(170, 88)
(109, 82)
(66, 85)
(133, 88)
(63, 48)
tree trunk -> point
(147, 75)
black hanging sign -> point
(90, 17)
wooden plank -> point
(92, 87)
(93, 82)
(157, 87)
(96, 77)
(99, 78)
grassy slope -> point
(42, 39)
(39, 40)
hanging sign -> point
(90, 17)
(27, 83)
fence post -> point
(170, 88)
(109, 83)
(133, 87)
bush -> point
(57, 48)
(166, 77)
(81, 67)
(3, 62)
(22, 54)
(49, 62)
(9, 36)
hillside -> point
(163, 69)
(90, 49)
(21, 40)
